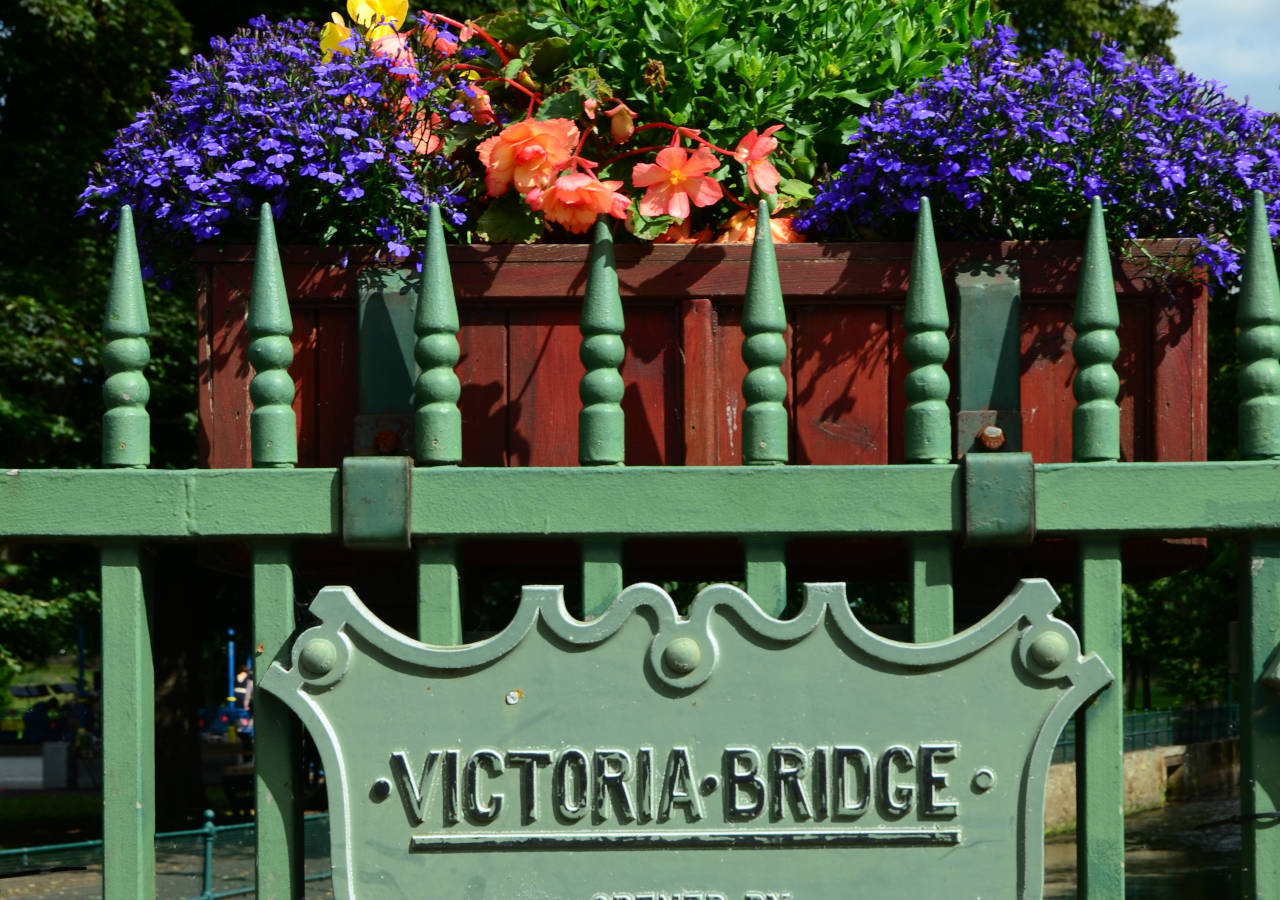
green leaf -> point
(794, 187)
(565, 105)
(547, 55)
(513, 68)
(645, 228)
(509, 220)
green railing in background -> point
(1164, 728)
(193, 855)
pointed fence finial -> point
(1096, 419)
(272, 425)
(601, 425)
(1258, 343)
(764, 349)
(126, 426)
(928, 419)
(437, 422)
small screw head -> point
(991, 437)
(513, 697)
(984, 780)
(381, 790)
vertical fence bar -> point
(601, 425)
(437, 431)
(273, 434)
(1258, 318)
(128, 698)
(928, 425)
(1096, 438)
(765, 430)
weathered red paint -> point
(683, 369)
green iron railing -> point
(1150, 728)
(1095, 501)
(190, 855)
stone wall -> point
(1211, 769)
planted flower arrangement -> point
(526, 128)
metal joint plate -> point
(725, 755)
(375, 502)
(999, 499)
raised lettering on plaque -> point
(723, 756)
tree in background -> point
(1142, 28)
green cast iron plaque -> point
(723, 756)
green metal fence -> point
(932, 503)
(1164, 728)
(207, 863)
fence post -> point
(437, 433)
(927, 425)
(1259, 344)
(601, 425)
(210, 834)
(1096, 439)
(128, 698)
(273, 432)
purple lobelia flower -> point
(353, 148)
(1007, 148)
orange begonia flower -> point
(481, 107)
(528, 153)
(675, 180)
(622, 123)
(742, 227)
(753, 150)
(575, 199)
(678, 233)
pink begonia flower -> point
(675, 180)
(753, 150)
(529, 153)
(622, 122)
(395, 47)
(575, 199)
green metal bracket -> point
(999, 499)
(375, 502)
(385, 366)
(987, 332)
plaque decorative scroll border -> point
(683, 653)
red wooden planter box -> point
(683, 371)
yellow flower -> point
(383, 16)
(332, 36)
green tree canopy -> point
(1142, 28)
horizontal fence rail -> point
(933, 501)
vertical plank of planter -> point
(927, 425)
(128, 701)
(1258, 317)
(841, 406)
(700, 385)
(601, 424)
(765, 425)
(437, 432)
(273, 438)
(1096, 439)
